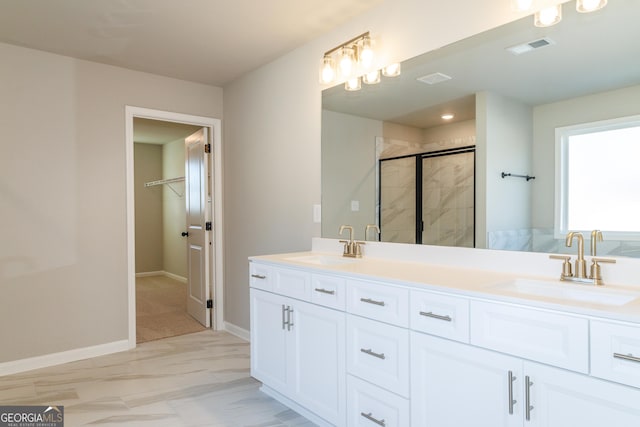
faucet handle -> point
(347, 247)
(357, 249)
(596, 273)
(566, 265)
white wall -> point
(272, 130)
(174, 215)
(349, 166)
(63, 277)
(503, 145)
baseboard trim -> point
(162, 273)
(22, 365)
(237, 331)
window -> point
(598, 178)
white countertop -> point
(469, 282)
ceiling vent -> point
(530, 46)
(434, 78)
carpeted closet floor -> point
(161, 309)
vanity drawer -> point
(329, 291)
(378, 353)
(371, 406)
(260, 276)
(543, 336)
(615, 352)
(292, 283)
(380, 302)
(440, 315)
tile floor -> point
(200, 379)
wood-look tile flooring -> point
(200, 379)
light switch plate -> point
(355, 205)
(317, 213)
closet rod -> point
(164, 181)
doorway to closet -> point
(160, 223)
(174, 232)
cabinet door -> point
(458, 385)
(317, 351)
(561, 398)
(268, 339)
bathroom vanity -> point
(419, 336)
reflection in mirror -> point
(508, 98)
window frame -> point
(562, 135)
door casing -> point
(216, 254)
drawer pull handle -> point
(373, 420)
(324, 291)
(436, 316)
(371, 301)
(258, 276)
(630, 357)
(528, 407)
(512, 401)
(373, 353)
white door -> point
(456, 384)
(198, 215)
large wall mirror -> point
(388, 157)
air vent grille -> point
(530, 46)
(434, 78)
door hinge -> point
(207, 225)
(207, 148)
(209, 303)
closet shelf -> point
(166, 181)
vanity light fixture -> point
(353, 84)
(548, 16)
(372, 77)
(353, 62)
(586, 6)
(522, 5)
(391, 70)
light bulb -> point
(372, 77)
(522, 5)
(585, 6)
(391, 70)
(353, 84)
(366, 53)
(548, 16)
(328, 70)
(346, 61)
(447, 116)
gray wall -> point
(174, 215)
(601, 106)
(63, 195)
(148, 206)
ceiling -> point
(590, 53)
(206, 41)
(148, 131)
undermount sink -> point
(568, 291)
(322, 259)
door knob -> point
(185, 233)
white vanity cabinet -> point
(348, 351)
(454, 384)
(461, 385)
(298, 348)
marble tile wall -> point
(447, 200)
